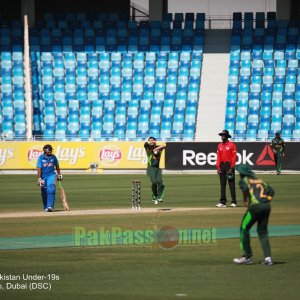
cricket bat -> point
(63, 197)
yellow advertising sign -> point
(76, 155)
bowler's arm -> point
(147, 148)
(246, 198)
(161, 147)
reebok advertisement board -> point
(203, 156)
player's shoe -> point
(278, 173)
(221, 205)
(243, 260)
(160, 200)
(267, 261)
(233, 205)
(49, 209)
(155, 201)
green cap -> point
(245, 170)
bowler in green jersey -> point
(154, 152)
(257, 196)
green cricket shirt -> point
(259, 191)
(278, 144)
(153, 158)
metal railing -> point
(103, 138)
(138, 13)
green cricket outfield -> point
(63, 255)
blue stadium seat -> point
(240, 134)
(265, 124)
(296, 135)
(262, 134)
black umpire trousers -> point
(225, 166)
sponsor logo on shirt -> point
(48, 164)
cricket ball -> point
(168, 237)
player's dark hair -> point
(151, 137)
(48, 147)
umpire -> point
(226, 159)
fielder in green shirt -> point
(153, 170)
(257, 197)
(278, 147)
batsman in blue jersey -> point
(48, 168)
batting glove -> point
(59, 177)
(41, 182)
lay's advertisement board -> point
(76, 155)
